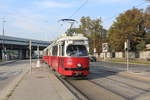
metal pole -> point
(38, 60)
(127, 60)
(3, 33)
(38, 52)
(127, 52)
(104, 56)
(30, 48)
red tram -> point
(68, 55)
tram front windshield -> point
(77, 50)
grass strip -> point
(131, 61)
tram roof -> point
(65, 37)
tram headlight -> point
(79, 65)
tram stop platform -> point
(41, 85)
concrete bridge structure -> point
(21, 45)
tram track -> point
(75, 91)
(127, 97)
(120, 75)
(93, 91)
(122, 86)
(106, 85)
(139, 88)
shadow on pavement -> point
(97, 72)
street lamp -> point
(3, 43)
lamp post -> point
(127, 46)
(30, 52)
(38, 60)
(3, 43)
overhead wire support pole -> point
(127, 53)
(127, 56)
(38, 57)
(30, 50)
(3, 33)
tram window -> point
(55, 50)
(76, 50)
(60, 54)
(47, 52)
(63, 48)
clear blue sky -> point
(38, 19)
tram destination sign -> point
(78, 42)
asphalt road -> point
(120, 67)
(10, 71)
(104, 83)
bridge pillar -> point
(0, 54)
(27, 53)
(20, 54)
(24, 54)
(4, 55)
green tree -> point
(141, 45)
(147, 19)
(74, 30)
(128, 25)
(147, 25)
(93, 29)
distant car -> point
(92, 58)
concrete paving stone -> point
(38, 85)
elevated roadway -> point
(21, 45)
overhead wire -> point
(77, 10)
(105, 20)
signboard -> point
(94, 50)
(148, 46)
(105, 47)
(127, 45)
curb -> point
(6, 92)
(8, 62)
(62, 90)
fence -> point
(141, 55)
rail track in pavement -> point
(106, 85)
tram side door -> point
(55, 57)
(60, 59)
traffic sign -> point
(94, 50)
(127, 45)
(148, 46)
(105, 47)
